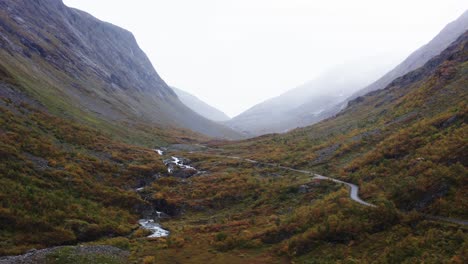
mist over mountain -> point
(80, 66)
(416, 59)
(200, 107)
(291, 109)
(328, 94)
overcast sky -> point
(234, 54)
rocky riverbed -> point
(70, 254)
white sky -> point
(234, 54)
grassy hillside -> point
(404, 146)
(68, 176)
(62, 182)
(405, 143)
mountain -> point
(75, 93)
(290, 109)
(380, 137)
(418, 58)
(200, 107)
(79, 66)
(404, 146)
(415, 60)
(74, 190)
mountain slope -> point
(415, 60)
(200, 107)
(404, 146)
(288, 110)
(79, 66)
(63, 182)
(298, 109)
(381, 137)
(418, 58)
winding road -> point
(354, 189)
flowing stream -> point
(150, 224)
(158, 231)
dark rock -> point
(427, 198)
(38, 162)
(449, 121)
(325, 153)
(356, 101)
(147, 180)
(404, 118)
(34, 47)
(200, 208)
(303, 189)
(153, 206)
(187, 147)
(366, 134)
(48, 42)
(184, 173)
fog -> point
(234, 54)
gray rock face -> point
(63, 54)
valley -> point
(102, 162)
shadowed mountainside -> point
(91, 70)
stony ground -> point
(70, 254)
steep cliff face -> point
(78, 65)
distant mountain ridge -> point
(91, 70)
(415, 60)
(290, 109)
(273, 116)
(200, 107)
(422, 55)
